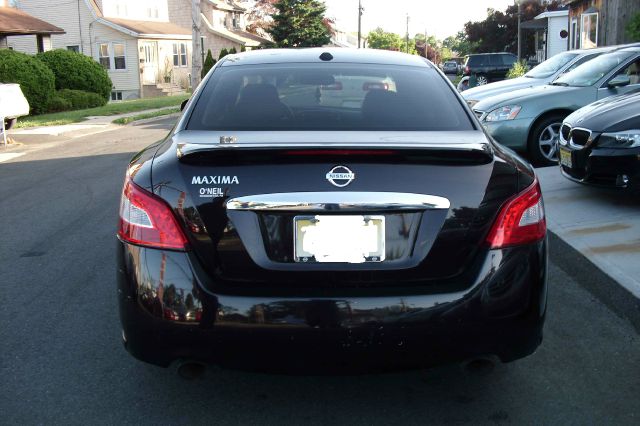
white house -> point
(551, 33)
(144, 53)
(223, 24)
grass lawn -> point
(114, 108)
(131, 119)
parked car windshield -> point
(590, 72)
(328, 97)
(551, 65)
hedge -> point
(35, 78)
(76, 71)
(79, 99)
(59, 104)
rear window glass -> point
(327, 97)
(475, 61)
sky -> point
(441, 18)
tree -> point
(498, 32)
(209, 62)
(300, 23)
(233, 51)
(380, 39)
(633, 28)
(224, 52)
(260, 16)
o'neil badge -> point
(340, 176)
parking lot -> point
(63, 362)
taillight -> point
(147, 220)
(467, 70)
(521, 220)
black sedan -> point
(319, 209)
(600, 143)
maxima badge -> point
(340, 176)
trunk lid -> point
(437, 191)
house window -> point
(589, 31)
(116, 96)
(179, 54)
(119, 56)
(103, 55)
(573, 42)
(112, 56)
(74, 48)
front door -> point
(149, 56)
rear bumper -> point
(167, 314)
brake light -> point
(147, 220)
(375, 86)
(321, 152)
(467, 70)
(335, 86)
(521, 220)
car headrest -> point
(259, 94)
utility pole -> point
(360, 10)
(519, 19)
(407, 33)
(196, 48)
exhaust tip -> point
(191, 370)
(480, 366)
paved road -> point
(62, 361)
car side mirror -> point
(183, 104)
(619, 81)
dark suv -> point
(489, 67)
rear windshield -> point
(327, 97)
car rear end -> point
(382, 234)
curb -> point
(597, 282)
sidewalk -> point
(603, 225)
(90, 126)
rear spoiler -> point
(456, 153)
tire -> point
(481, 80)
(543, 141)
(8, 123)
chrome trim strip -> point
(338, 201)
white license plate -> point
(339, 239)
(565, 158)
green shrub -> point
(224, 52)
(518, 69)
(76, 71)
(209, 62)
(58, 104)
(633, 28)
(233, 51)
(36, 80)
(80, 99)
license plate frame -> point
(339, 238)
(566, 158)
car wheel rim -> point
(548, 141)
(481, 81)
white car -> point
(13, 104)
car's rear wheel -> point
(481, 80)
(543, 141)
